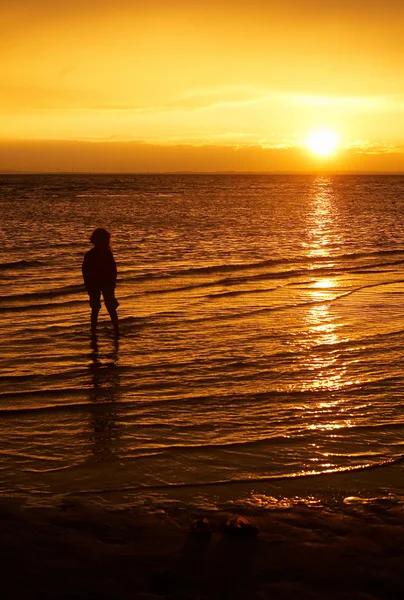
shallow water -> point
(261, 338)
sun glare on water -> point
(322, 142)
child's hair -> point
(100, 237)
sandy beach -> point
(77, 551)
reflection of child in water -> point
(99, 274)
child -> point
(99, 274)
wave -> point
(44, 244)
(243, 314)
(21, 264)
(53, 293)
(227, 281)
(40, 307)
(293, 273)
(223, 268)
(267, 309)
(181, 401)
(78, 406)
(241, 292)
(55, 393)
(246, 480)
(370, 253)
(281, 261)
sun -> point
(322, 142)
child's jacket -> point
(99, 269)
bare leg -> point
(94, 320)
(114, 318)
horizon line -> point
(191, 172)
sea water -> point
(260, 357)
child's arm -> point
(87, 271)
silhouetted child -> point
(99, 274)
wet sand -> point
(75, 551)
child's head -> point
(100, 237)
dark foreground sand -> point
(300, 553)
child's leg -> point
(112, 304)
(94, 319)
(114, 318)
(95, 304)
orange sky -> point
(203, 85)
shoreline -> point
(75, 550)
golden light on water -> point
(324, 284)
(321, 230)
(326, 371)
(321, 323)
(328, 426)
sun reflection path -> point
(321, 224)
(324, 370)
(321, 325)
(322, 359)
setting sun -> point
(322, 142)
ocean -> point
(260, 358)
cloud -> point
(376, 148)
(129, 157)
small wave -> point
(40, 307)
(54, 393)
(294, 268)
(370, 254)
(253, 277)
(53, 293)
(244, 480)
(239, 280)
(384, 427)
(243, 314)
(211, 269)
(53, 408)
(21, 264)
(223, 268)
(241, 292)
